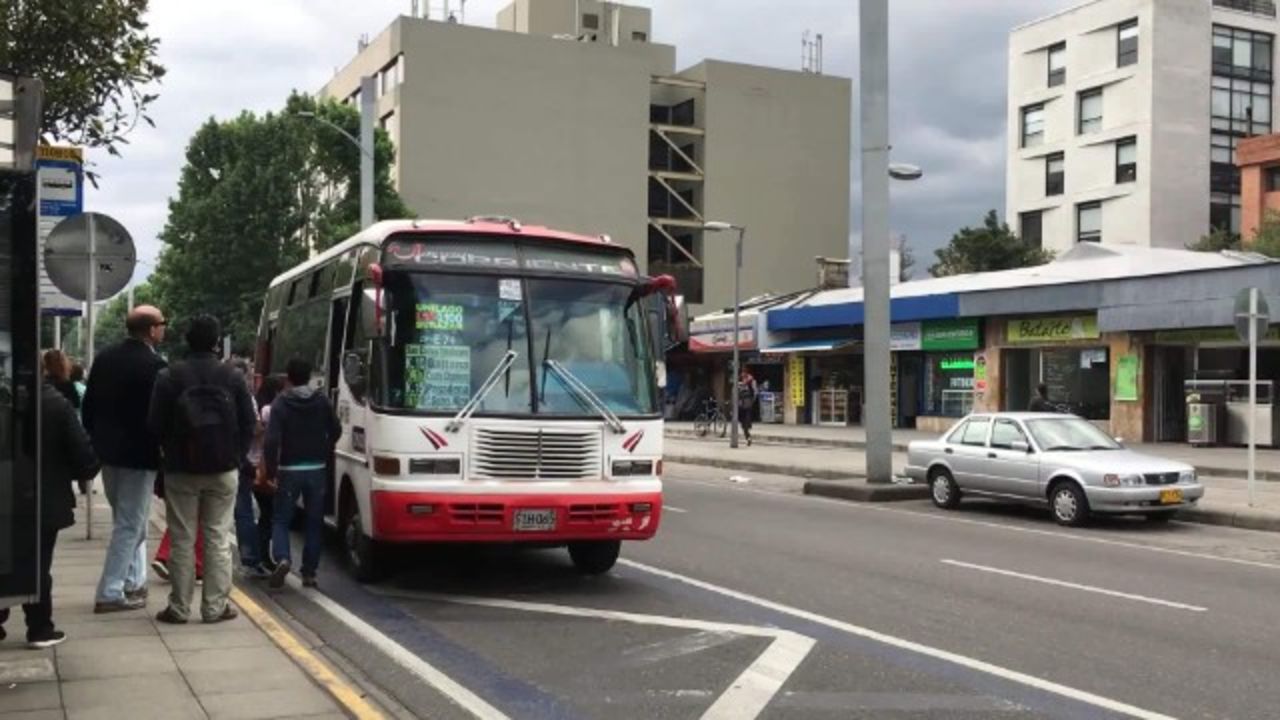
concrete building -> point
(1124, 116)
(583, 123)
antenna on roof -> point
(811, 53)
(362, 42)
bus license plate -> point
(1170, 497)
(535, 520)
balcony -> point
(1257, 7)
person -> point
(115, 414)
(77, 379)
(748, 391)
(1041, 402)
(57, 372)
(268, 390)
(66, 456)
(164, 554)
(247, 539)
(301, 435)
(204, 416)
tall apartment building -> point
(1124, 115)
(568, 114)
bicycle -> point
(712, 418)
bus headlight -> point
(435, 466)
(632, 468)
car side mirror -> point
(1020, 446)
(353, 370)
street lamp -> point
(364, 144)
(715, 226)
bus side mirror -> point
(353, 370)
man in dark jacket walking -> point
(202, 412)
(115, 414)
(301, 434)
(66, 456)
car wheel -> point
(1159, 518)
(943, 489)
(596, 557)
(362, 552)
(1070, 506)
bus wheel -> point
(362, 554)
(596, 557)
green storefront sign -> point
(1053, 329)
(943, 335)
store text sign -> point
(1053, 329)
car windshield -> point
(1069, 433)
(448, 332)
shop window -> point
(948, 390)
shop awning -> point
(808, 346)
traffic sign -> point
(1262, 318)
(67, 255)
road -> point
(755, 601)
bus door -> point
(333, 370)
(19, 391)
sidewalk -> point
(127, 666)
(1214, 461)
(1226, 500)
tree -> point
(990, 247)
(1266, 240)
(95, 59)
(1217, 240)
(906, 259)
(257, 195)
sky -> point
(947, 86)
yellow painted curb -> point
(341, 691)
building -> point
(1259, 161)
(578, 120)
(1124, 116)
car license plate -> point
(535, 520)
(1170, 497)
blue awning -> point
(926, 307)
(808, 346)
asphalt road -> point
(757, 602)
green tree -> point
(1266, 240)
(1217, 240)
(257, 195)
(993, 246)
(96, 61)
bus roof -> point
(377, 233)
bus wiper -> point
(585, 394)
(489, 383)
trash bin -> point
(1204, 423)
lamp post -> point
(364, 144)
(714, 226)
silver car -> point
(1064, 461)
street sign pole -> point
(1253, 390)
(92, 266)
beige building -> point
(583, 123)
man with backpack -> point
(202, 412)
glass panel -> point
(1221, 102)
(1262, 55)
(1056, 164)
(1129, 32)
(1069, 434)
(1090, 219)
(1242, 53)
(1005, 434)
(975, 433)
(1126, 152)
(1057, 57)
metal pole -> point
(1253, 391)
(130, 298)
(873, 38)
(57, 332)
(88, 345)
(737, 279)
(367, 109)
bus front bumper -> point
(408, 517)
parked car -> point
(1063, 461)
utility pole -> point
(367, 108)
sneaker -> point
(112, 606)
(160, 568)
(228, 613)
(276, 581)
(169, 617)
(309, 581)
(138, 594)
(45, 639)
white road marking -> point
(972, 663)
(674, 509)
(1074, 586)
(950, 517)
(746, 698)
(402, 656)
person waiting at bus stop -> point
(302, 431)
(747, 392)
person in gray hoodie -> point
(301, 435)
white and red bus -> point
(496, 383)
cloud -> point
(947, 76)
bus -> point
(496, 383)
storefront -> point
(1066, 353)
(932, 371)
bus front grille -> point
(535, 454)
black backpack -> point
(205, 425)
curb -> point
(1244, 519)
(759, 467)
(865, 492)
(1210, 470)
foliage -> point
(1217, 240)
(95, 59)
(906, 259)
(1266, 241)
(257, 195)
(991, 247)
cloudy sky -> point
(947, 61)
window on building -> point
(1031, 228)
(590, 21)
(1090, 110)
(1032, 125)
(684, 114)
(1242, 53)
(1089, 222)
(1057, 64)
(1224, 211)
(1127, 46)
(637, 36)
(1054, 174)
(1240, 106)
(1126, 160)
(1271, 179)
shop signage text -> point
(1053, 329)
(795, 379)
(952, 364)
(905, 337)
(950, 335)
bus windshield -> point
(447, 333)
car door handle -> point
(991, 455)
(949, 451)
